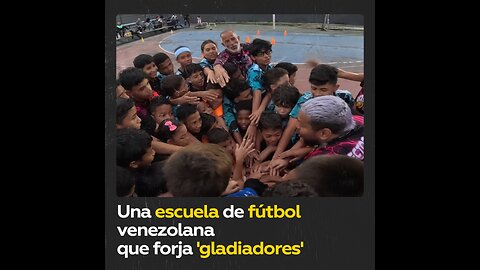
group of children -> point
(186, 133)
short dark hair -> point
(270, 120)
(257, 46)
(208, 121)
(234, 87)
(272, 76)
(290, 189)
(125, 181)
(323, 74)
(123, 106)
(171, 83)
(333, 175)
(158, 101)
(244, 105)
(130, 77)
(185, 110)
(132, 144)
(142, 60)
(217, 135)
(153, 182)
(201, 170)
(159, 58)
(289, 67)
(231, 68)
(286, 96)
(191, 68)
(163, 132)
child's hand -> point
(211, 76)
(274, 171)
(188, 98)
(232, 187)
(255, 155)
(256, 172)
(209, 95)
(243, 150)
(255, 116)
(295, 154)
(277, 164)
(221, 75)
(271, 180)
(251, 159)
(251, 133)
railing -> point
(142, 29)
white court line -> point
(160, 44)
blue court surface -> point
(335, 49)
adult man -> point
(235, 53)
(326, 124)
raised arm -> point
(350, 75)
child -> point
(190, 116)
(261, 53)
(203, 107)
(233, 71)
(242, 120)
(145, 63)
(290, 68)
(209, 97)
(201, 170)
(127, 114)
(183, 55)
(194, 76)
(270, 126)
(235, 91)
(273, 79)
(221, 137)
(175, 88)
(134, 148)
(284, 98)
(160, 109)
(137, 87)
(164, 65)
(172, 132)
(215, 104)
(209, 119)
(196, 83)
(210, 53)
(125, 182)
(120, 91)
(153, 182)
